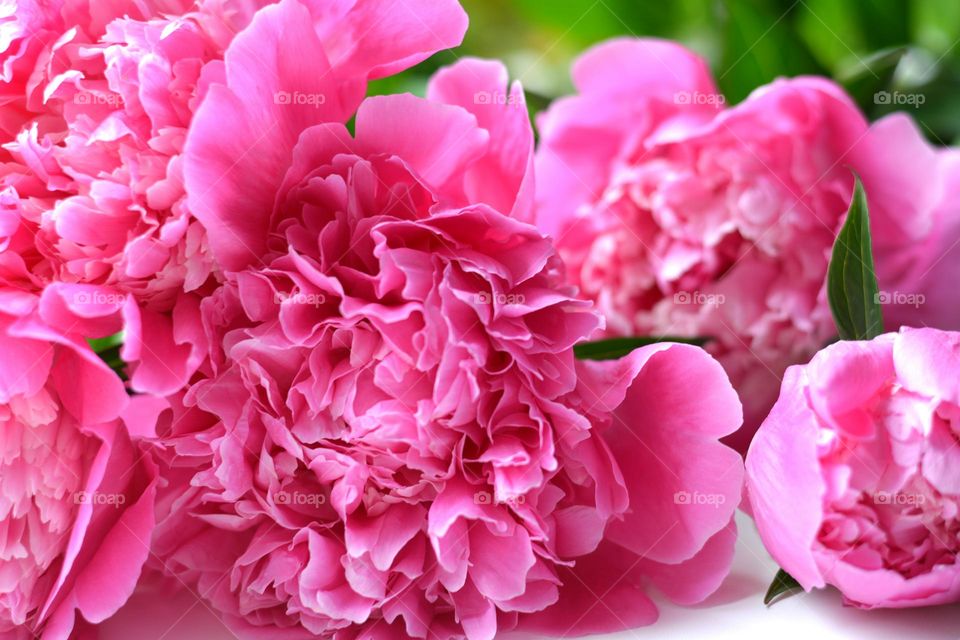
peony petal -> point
(379, 38)
(639, 68)
(684, 485)
(926, 361)
(503, 178)
(437, 141)
(600, 594)
(278, 83)
(693, 580)
(783, 469)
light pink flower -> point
(680, 216)
(854, 478)
(393, 437)
(76, 493)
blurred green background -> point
(869, 46)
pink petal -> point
(684, 485)
(600, 594)
(109, 577)
(437, 141)
(278, 83)
(641, 68)
(503, 178)
(783, 469)
(692, 581)
(373, 39)
(927, 362)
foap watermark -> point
(898, 499)
(99, 499)
(496, 97)
(98, 297)
(499, 298)
(299, 498)
(697, 498)
(899, 98)
(299, 98)
(698, 97)
(699, 298)
(485, 497)
(914, 300)
(309, 299)
(91, 97)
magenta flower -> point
(854, 478)
(682, 217)
(391, 434)
(76, 493)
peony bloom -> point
(392, 436)
(98, 101)
(92, 158)
(854, 478)
(680, 216)
(76, 493)
(98, 104)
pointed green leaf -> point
(783, 584)
(617, 347)
(851, 279)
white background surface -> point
(735, 611)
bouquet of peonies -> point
(349, 367)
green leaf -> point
(760, 44)
(783, 583)
(618, 347)
(851, 280)
(868, 76)
(109, 351)
(99, 345)
(936, 24)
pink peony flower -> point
(97, 170)
(682, 217)
(92, 187)
(853, 478)
(76, 493)
(392, 436)
(93, 166)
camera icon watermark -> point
(496, 97)
(97, 98)
(699, 298)
(898, 499)
(691, 498)
(499, 298)
(915, 300)
(299, 498)
(309, 299)
(899, 98)
(299, 98)
(97, 298)
(698, 98)
(99, 499)
(485, 497)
